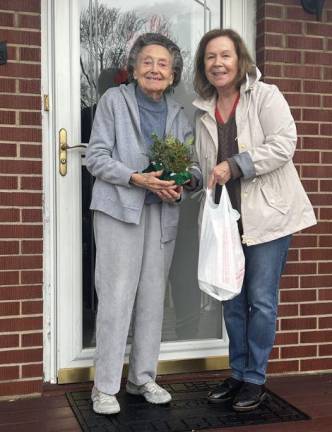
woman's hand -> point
(221, 173)
(152, 182)
(170, 195)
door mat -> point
(188, 411)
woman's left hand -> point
(170, 195)
(221, 173)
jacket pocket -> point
(274, 200)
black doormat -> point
(188, 411)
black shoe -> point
(225, 391)
(249, 397)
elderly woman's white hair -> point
(156, 39)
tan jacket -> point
(273, 201)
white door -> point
(87, 47)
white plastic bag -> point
(221, 257)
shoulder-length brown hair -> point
(245, 62)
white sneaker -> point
(151, 391)
(104, 403)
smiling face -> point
(221, 63)
(153, 70)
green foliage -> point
(170, 153)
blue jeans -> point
(251, 316)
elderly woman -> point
(135, 220)
(246, 138)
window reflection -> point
(107, 32)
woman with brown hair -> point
(246, 139)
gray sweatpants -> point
(132, 267)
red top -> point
(218, 115)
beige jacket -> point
(273, 201)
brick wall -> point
(294, 51)
(20, 200)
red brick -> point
(21, 231)
(9, 247)
(20, 292)
(32, 215)
(32, 277)
(307, 128)
(325, 323)
(300, 268)
(316, 254)
(32, 339)
(316, 309)
(20, 102)
(283, 366)
(325, 129)
(20, 199)
(289, 282)
(21, 324)
(324, 268)
(325, 241)
(8, 150)
(317, 171)
(20, 167)
(318, 115)
(7, 85)
(319, 29)
(306, 157)
(6, 19)
(284, 338)
(29, 86)
(272, 70)
(269, 40)
(286, 85)
(316, 336)
(317, 200)
(30, 118)
(299, 351)
(325, 294)
(9, 308)
(21, 134)
(319, 87)
(9, 277)
(298, 13)
(307, 43)
(32, 247)
(20, 262)
(270, 11)
(317, 281)
(316, 143)
(31, 183)
(287, 310)
(30, 54)
(9, 373)
(325, 350)
(9, 341)
(327, 73)
(21, 70)
(31, 151)
(21, 37)
(316, 364)
(8, 183)
(21, 387)
(282, 56)
(310, 185)
(298, 323)
(293, 255)
(21, 6)
(32, 307)
(283, 27)
(32, 370)
(297, 296)
(302, 241)
(274, 353)
(327, 101)
(7, 117)
(21, 356)
(299, 71)
(322, 58)
(29, 21)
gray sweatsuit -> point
(134, 241)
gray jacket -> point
(117, 149)
(273, 202)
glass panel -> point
(107, 34)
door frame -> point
(51, 291)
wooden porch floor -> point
(51, 413)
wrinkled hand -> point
(220, 174)
(152, 182)
(170, 195)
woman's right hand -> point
(151, 181)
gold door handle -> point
(63, 147)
